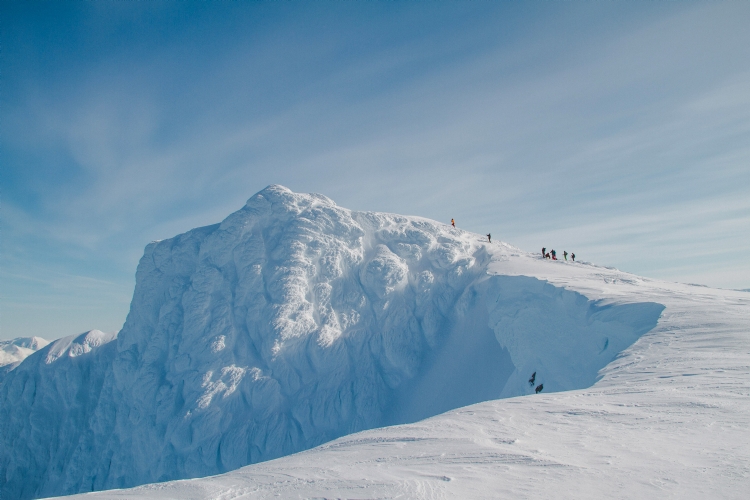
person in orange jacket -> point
(453, 223)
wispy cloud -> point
(621, 129)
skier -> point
(453, 223)
(573, 256)
(539, 388)
(532, 379)
(565, 254)
(544, 255)
(489, 238)
(554, 254)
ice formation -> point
(291, 323)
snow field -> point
(668, 418)
(294, 322)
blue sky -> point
(617, 130)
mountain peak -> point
(291, 323)
(13, 352)
(276, 194)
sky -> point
(616, 130)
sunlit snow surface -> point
(670, 418)
(296, 321)
(12, 352)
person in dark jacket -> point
(544, 255)
(532, 379)
(573, 256)
(489, 238)
(539, 388)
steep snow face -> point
(668, 419)
(12, 352)
(45, 416)
(291, 323)
(560, 335)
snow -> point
(669, 417)
(12, 352)
(295, 322)
(77, 345)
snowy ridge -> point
(291, 323)
(77, 345)
(12, 352)
(52, 393)
(668, 418)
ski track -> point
(669, 418)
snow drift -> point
(289, 324)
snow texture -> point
(292, 323)
(668, 418)
(12, 352)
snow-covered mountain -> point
(668, 418)
(12, 352)
(294, 322)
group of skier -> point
(545, 254)
(553, 255)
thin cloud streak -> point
(504, 119)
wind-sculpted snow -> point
(47, 405)
(560, 335)
(289, 324)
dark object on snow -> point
(539, 388)
(546, 256)
(453, 223)
(565, 254)
(532, 379)
(489, 238)
(544, 249)
(573, 256)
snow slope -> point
(294, 322)
(12, 352)
(46, 400)
(669, 418)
